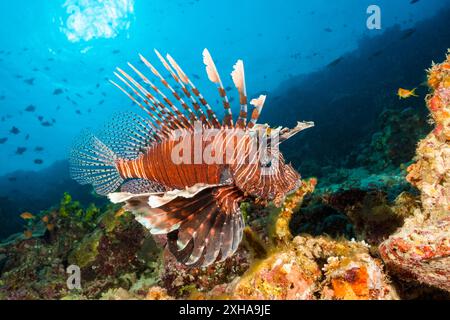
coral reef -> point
(307, 267)
(420, 250)
(311, 268)
(374, 218)
(395, 142)
(378, 231)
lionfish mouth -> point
(180, 170)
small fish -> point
(40, 118)
(296, 56)
(3, 140)
(38, 149)
(46, 124)
(12, 179)
(38, 161)
(377, 53)
(335, 62)
(30, 108)
(405, 93)
(27, 215)
(115, 51)
(45, 219)
(328, 30)
(14, 130)
(20, 150)
(413, 1)
(50, 226)
(29, 81)
(27, 137)
(27, 234)
(408, 33)
(57, 91)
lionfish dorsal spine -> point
(133, 99)
(151, 102)
(171, 118)
(238, 76)
(185, 122)
(155, 114)
(166, 84)
(214, 77)
(175, 75)
(211, 120)
(258, 104)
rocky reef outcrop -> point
(420, 250)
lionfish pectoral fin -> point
(212, 228)
(202, 226)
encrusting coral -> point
(307, 267)
(420, 250)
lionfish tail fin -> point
(93, 162)
(203, 225)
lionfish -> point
(196, 204)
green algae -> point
(87, 250)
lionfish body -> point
(158, 162)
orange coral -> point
(353, 285)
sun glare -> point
(93, 19)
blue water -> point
(56, 58)
(40, 43)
